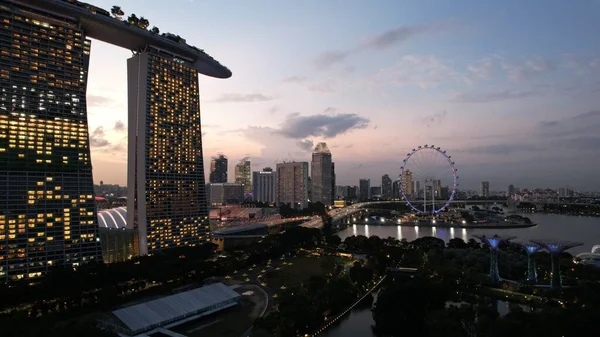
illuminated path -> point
(337, 318)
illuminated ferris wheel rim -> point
(452, 169)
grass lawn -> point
(230, 323)
(301, 269)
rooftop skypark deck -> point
(98, 24)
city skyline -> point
(467, 79)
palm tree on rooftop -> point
(133, 20)
(117, 12)
(143, 23)
(155, 30)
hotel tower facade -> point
(167, 197)
(47, 214)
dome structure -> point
(113, 218)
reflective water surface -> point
(550, 226)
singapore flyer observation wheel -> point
(428, 179)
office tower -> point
(386, 186)
(292, 184)
(47, 214)
(485, 189)
(437, 189)
(333, 196)
(407, 183)
(352, 193)
(218, 169)
(510, 191)
(341, 192)
(445, 193)
(219, 194)
(375, 191)
(364, 189)
(264, 185)
(396, 189)
(243, 174)
(416, 192)
(565, 192)
(322, 175)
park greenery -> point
(65, 295)
(72, 299)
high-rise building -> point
(341, 192)
(417, 192)
(485, 189)
(437, 188)
(292, 184)
(375, 191)
(243, 174)
(44, 146)
(322, 175)
(565, 192)
(386, 186)
(364, 189)
(165, 171)
(264, 185)
(309, 184)
(333, 196)
(396, 189)
(407, 183)
(47, 214)
(510, 191)
(219, 194)
(352, 193)
(218, 169)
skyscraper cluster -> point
(291, 183)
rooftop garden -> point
(133, 20)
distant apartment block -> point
(225, 193)
(292, 184)
(243, 174)
(264, 185)
(484, 191)
(510, 191)
(218, 169)
(364, 187)
(408, 186)
(386, 186)
(375, 191)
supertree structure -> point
(555, 248)
(531, 248)
(494, 241)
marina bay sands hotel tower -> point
(47, 214)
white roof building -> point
(149, 315)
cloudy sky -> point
(511, 89)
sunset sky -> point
(511, 89)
